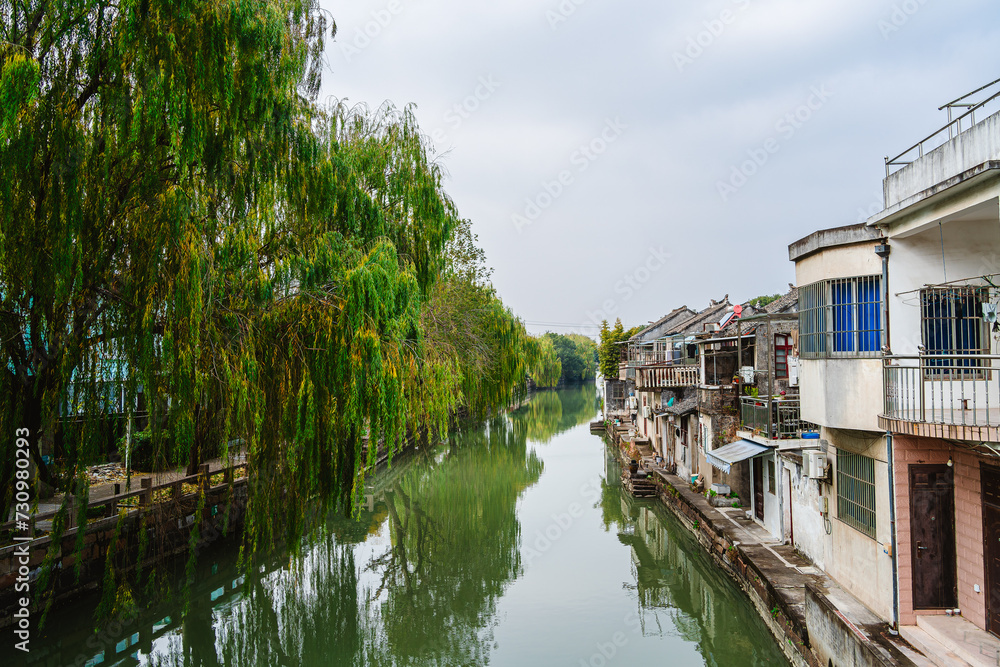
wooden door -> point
(932, 537)
(990, 477)
(757, 465)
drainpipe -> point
(739, 358)
(892, 537)
(882, 250)
(769, 349)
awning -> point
(724, 457)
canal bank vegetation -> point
(609, 347)
(577, 355)
(192, 247)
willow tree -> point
(473, 342)
(547, 368)
(143, 155)
(178, 216)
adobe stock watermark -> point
(785, 129)
(607, 651)
(561, 523)
(704, 39)
(630, 284)
(22, 553)
(581, 159)
(364, 34)
(874, 207)
(461, 111)
(562, 12)
(898, 16)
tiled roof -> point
(787, 303)
(674, 317)
(682, 407)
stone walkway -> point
(788, 575)
(104, 491)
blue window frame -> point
(841, 318)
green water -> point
(512, 544)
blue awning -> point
(724, 457)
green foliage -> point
(177, 214)
(547, 367)
(609, 350)
(477, 352)
(576, 354)
(761, 301)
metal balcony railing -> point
(777, 419)
(943, 389)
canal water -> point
(512, 544)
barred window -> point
(812, 321)
(952, 323)
(856, 491)
(841, 318)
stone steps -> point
(935, 652)
(953, 640)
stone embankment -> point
(816, 622)
(141, 528)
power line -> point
(562, 324)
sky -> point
(621, 159)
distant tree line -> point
(575, 359)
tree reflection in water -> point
(679, 591)
(417, 576)
(550, 413)
(428, 597)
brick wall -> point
(968, 523)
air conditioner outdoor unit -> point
(647, 411)
(814, 464)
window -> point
(952, 323)
(841, 318)
(770, 477)
(617, 391)
(782, 348)
(856, 491)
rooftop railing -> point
(954, 125)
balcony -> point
(943, 396)
(777, 419)
(666, 377)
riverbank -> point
(815, 622)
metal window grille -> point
(952, 323)
(856, 491)
(841, 318)
(812, 321)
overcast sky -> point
(601, 148)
